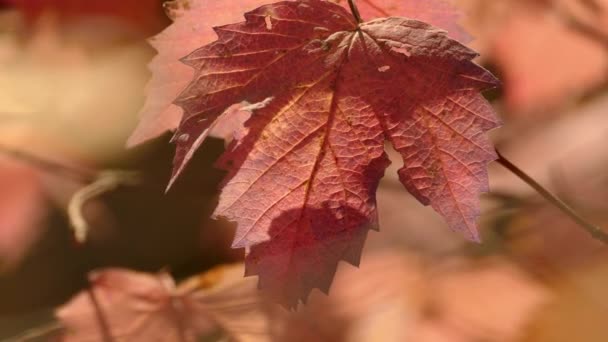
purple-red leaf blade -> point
(302, 181)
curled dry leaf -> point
(393, 297)
(136, 306)
(302, 182)
(149, 307)
(193, 21)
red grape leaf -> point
(192, 28)
(302, 182)
(149, 307)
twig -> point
(584, 29)
(592, 5)
(100, 182)
(50, 166)
(595, 231)
(587, 30)
(355, 11)
(37, 333)
(101, 318)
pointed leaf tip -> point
(301, 182)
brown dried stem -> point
(595, 231)
(355, 11)
(50, 166)
(102, 321)
(582, 27)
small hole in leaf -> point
(268, 21)
(183, 137)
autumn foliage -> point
(302, 170)
(304, 176)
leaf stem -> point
(582, 27)
(99, 314)
(49, 166)
(595, 231)
(355, 11)
(41, 333)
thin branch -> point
(50, 166)
(99, 183)
(587, 30)
(583, 28)
(41, 333)
(355, 11)
(595, 231)
(101, 318)
(592, 5)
